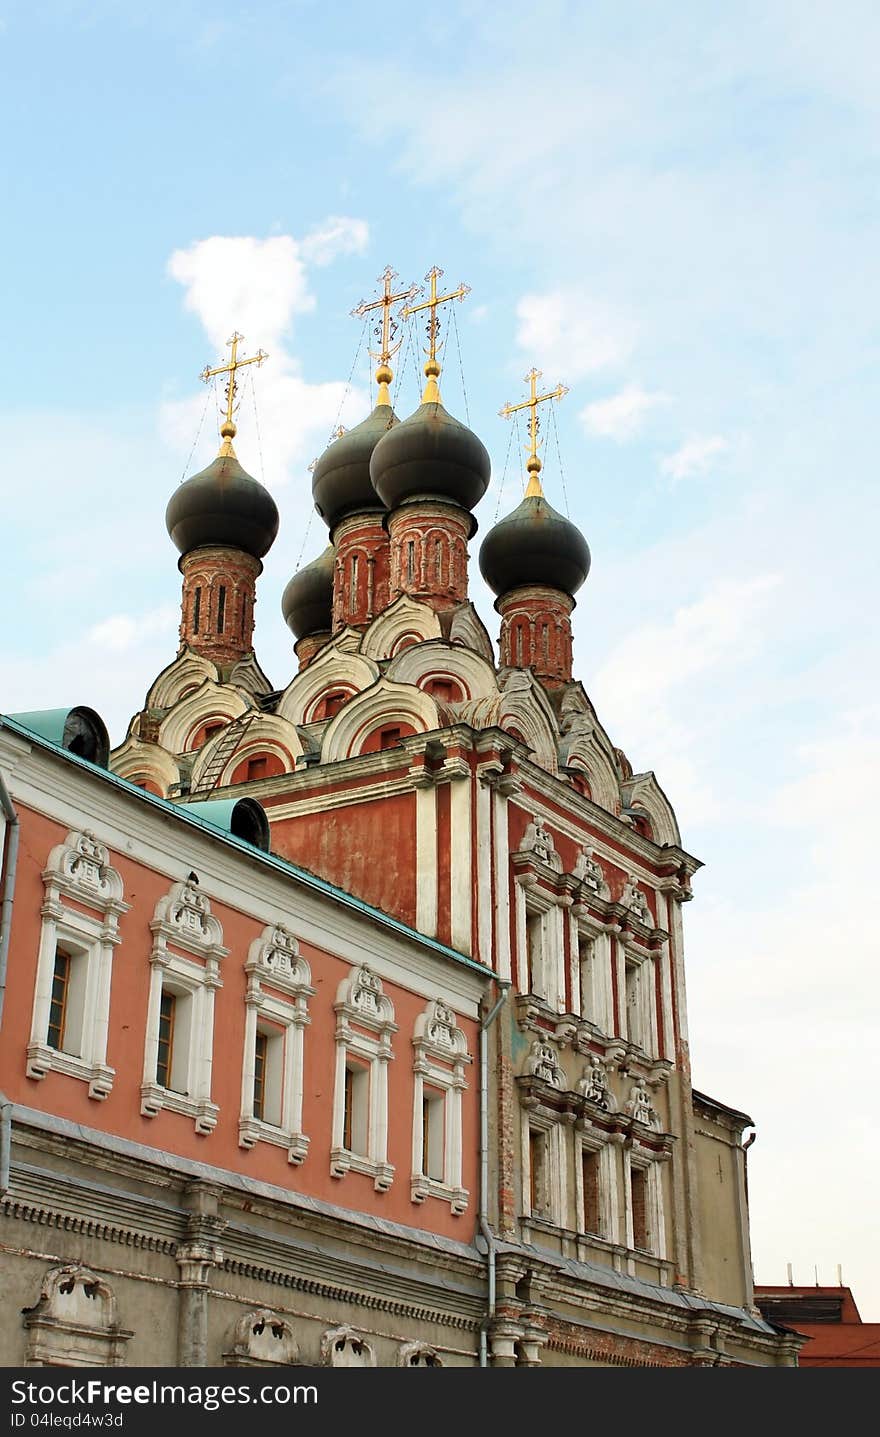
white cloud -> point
(337, 235)
(257, 286)
(122, 632)
(621, 415)
(693, 458)
(572, 334)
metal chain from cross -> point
(533, 464)
(385, 329)
(228, 429)
(432, 367)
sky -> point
(675, 211)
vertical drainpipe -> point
(14, 830)
(485, 1229)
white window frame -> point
(593, 992)
(279, 986)
(78, 869)
(647, 1162)
(596, 1145)
(556, 1184)
(441, 1057)
(364, 1028)
(185, 959)
(533, 902)
(628, 956)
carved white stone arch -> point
(333, 668)
(437, 659)
(344, 1347)
(248, 675)
(74, 1322)
(184, 675)
(468, 629)
(585, 753)
(266, 734)
(135, 760)
(525, 707)
(384, 703)
(263, 1337)
(404, 616)
(643, 791)
(209, 700)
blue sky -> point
(675, 210)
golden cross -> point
(386, 329)
(432, 368)
(533, 466)
(228, 429)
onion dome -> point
(341, 481)
(534, 545)
(430, 456)
(223, 505)
(307, 601)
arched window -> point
(197, 608)
(221, 609)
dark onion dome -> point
(307, 602)
(430, 456)
(341, 481)
(222, 505)
(534, 545)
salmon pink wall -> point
(119, 1113)
(367, 849)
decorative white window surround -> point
(440, 1058)
(344, 1347)
(417, 1354)
(537, 904)
(591, 1140)
(74, 1321)
(78, 869)
(278, 990)
(649, 1162)
(263, 1338)
(637, 996)
(553, 1210)
(185, 960)
(591, 983)
(364, 1029)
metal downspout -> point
(485, 1229)
(14, 830)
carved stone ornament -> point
(638, 1106)
(590, 874)
(594, 1085)
(538, 841)
(543, 1063)
(417, 1354)
(343, 1347)
(263, 1336)
(74, 1322)
(636, 903)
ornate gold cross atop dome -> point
(386, 328)
(227, 429)
(432, 367)
(533, 465)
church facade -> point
(345, 1023)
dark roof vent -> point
(78, 730)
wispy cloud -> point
(621, 416)
(694, 457)
(572, 334)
